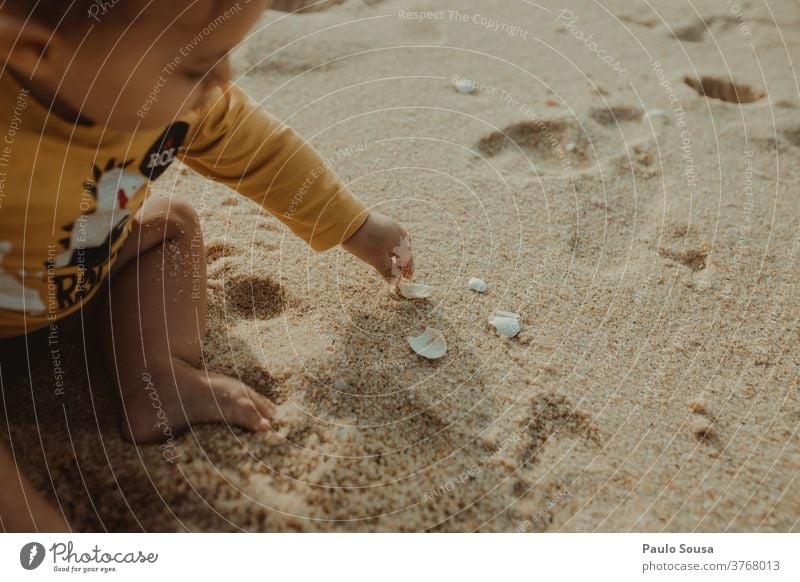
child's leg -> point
(156, 327)
(22, 507)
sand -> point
(653, 260)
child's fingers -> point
(389, 270)
(408, 270)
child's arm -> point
(236, 142)
(22, 508)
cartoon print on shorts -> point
(14, 296)
(92, 236)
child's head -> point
(125, 63)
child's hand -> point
(379, 240)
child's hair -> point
(73, 13)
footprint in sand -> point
(553, 416)
(694, 258)
(563, 147)
(552, 145)
(712, 25)
(792, 136)
(613, 115)
(216, 250)
(724, 89)
(682, 244)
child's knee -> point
(182, 219)
(168, 218)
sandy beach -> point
(624, 177)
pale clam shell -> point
(478, 285)
(414, 290)
(431, 344)
(506, 323)
(506, 314)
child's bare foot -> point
(154, 335)
(177, 395)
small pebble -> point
(478, 285)
(465, 86)
(570, 147)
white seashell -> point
(431, 344)
(478, 285)
(506, 314)
(506, 323)
(465, 86)
(570, 147)
(414, 290)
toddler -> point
(98, 99)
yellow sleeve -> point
(237, 143)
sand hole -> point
(691, 33)
(792, 136)
(695, 259)
(254, 296)
(217, 250)
(724, 89)
(615, 115)
(696, 32)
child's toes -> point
(265, 406)
(258, 411)
(241, 405)
(248, 416)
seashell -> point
(570, 147)
(465, 86)
(506, 314)
(506, 323)
(414, 290)
(431, 344)
(478, 285)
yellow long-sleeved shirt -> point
(68, 192)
